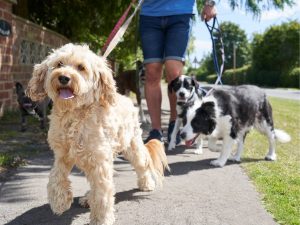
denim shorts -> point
(165, 37)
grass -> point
(15, 146)
(279, 182)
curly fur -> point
(88, 128)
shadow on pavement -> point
(44, 215)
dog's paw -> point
(83, 201)
(59, 199)
(217, 163)
(270, 157)
(109, 220)
(234, 159)
(198, 151)
(146, 183)
(171, 146)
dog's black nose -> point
(181, 94)
(183, 135)
(63, 79)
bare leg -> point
(153, 93)
(173, 70)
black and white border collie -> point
(187, 92)
(230, 113)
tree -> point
(255, 6)
(91, 21)
(234, 39)
(232, 35)
(86, 21)
(275, 53)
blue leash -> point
(211, 29)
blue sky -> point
(246, 22)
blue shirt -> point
(168, 7)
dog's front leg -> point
(23, 122)
(59, 186)
(199, 146)
(101, 196)
(172, 143)
(225, 153)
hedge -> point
(267, 78)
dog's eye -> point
(80, 67)
(60, 64)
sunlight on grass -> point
(279, 182)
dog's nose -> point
(63, 79)
(181, 94)
(183, 135)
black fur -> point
(28, 107)
(207, 115)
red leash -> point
(117, 27)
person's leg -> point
(173, 70)
(152, 40)
(153, 93)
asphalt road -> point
(285, 93)
(194, 193)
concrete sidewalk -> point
(194, 193)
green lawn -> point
(278, 182)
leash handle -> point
(219, 70)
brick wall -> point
(27, 45)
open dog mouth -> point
(66, 93)
(190, 142)
(181, 99)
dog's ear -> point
(35, 89)
(207, 115)
(171, 85)
(106, 83)
(195, 82)
(19, 88)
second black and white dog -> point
(229, 114)
(187, 92)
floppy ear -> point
(19, 88)
(35, 89)
(195, 82)
(170, 85)
(106, 83)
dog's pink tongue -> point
(189, 143)
(65, 93)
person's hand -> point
(209, 11)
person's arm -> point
(209, 10)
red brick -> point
(8, 85)
(7, 16)
(5, 77)
(7, 59)
(5, 69)
(5, 6)
(4, 94)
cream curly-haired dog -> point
(89, 124)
